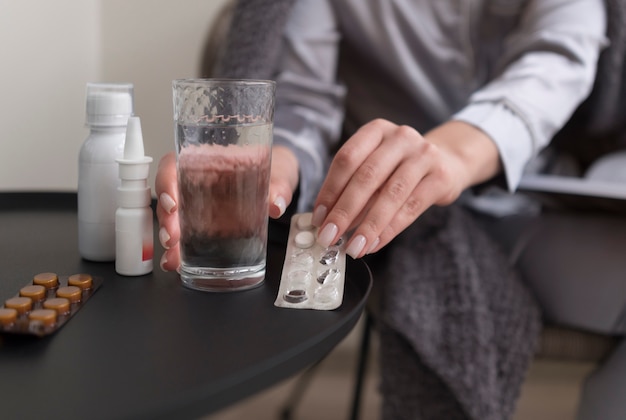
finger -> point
(166, 187)
(393, 195)
(166, 181)
(280, 198)
(167, 205)
(345, 163)
(374, 175)
(169, 228)
(283, 180)
(422, 198)
(170, 259)
(169, 232)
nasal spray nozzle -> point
(134, 244)
(133, 147)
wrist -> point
(475, 153)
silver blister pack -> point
(313, 276)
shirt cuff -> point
(507, 130)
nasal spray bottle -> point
(108, 106)
(134, 246)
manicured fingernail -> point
(356, 246)
(163, 262)
(167, 202)
(281, 204)
(374, 245)
(326, 235)
(319, 214)
(164, 237)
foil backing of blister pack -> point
(313, 276)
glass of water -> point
(223, 136)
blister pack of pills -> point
(313, 276)
(45, 304)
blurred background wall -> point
(49, 50)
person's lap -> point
(574, 264)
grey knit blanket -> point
(458, 327)
(253, 43)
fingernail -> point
(319, 214)
(281, 204)
(164, 237)
(326, 235)
(356, 246)
(167, 202)
(374, 245)
(163, 262)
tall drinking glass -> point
(223, 146)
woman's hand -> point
(385, 176)
(283, 182)
(166, 188)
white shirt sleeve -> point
(548, 68)
(309, 101)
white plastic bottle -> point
(134, 244)
(108, 107)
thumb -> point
(280, 197)
(283, 180)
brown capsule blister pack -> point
(45, 304)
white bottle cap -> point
(109, 104)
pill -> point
(304, 221)
(20, 304)
(72, 293)
(295, 296)
(329, 257)
(304, 239)
(82, 281)
(7, 316)
(36, 292)
(60, 305)
(327, 276)
(46, 316)
(47, 280)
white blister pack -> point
(313, 276)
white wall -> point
(49, 50)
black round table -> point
(146, 347)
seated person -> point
(387, 113)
